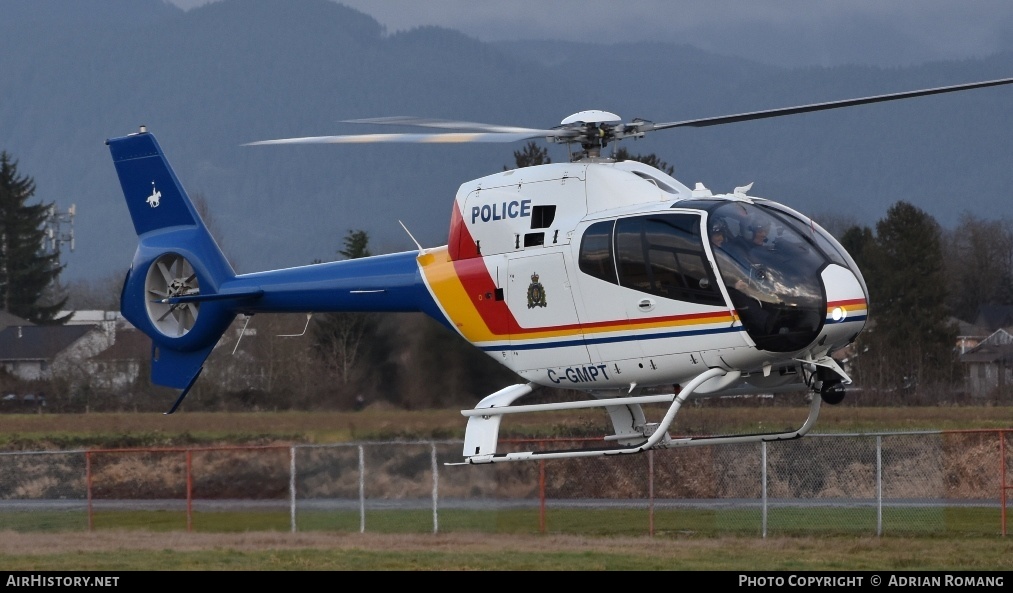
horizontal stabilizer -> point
(218, 296)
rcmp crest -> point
(536, 293)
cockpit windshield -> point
(772, 273)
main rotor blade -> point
(447, 124)
(448, 138)
(727, 119)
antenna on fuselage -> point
(417, 244)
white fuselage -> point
(597, 275)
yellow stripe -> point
(722, 318)
(448, 291)
(849, 308)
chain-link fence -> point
(882, 484)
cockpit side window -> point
(826, 242)
(808, 228)
(662, 254)
(771, 269)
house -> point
(97, 348)
(969, 335)
(118, 366)
(40, 352)
(990, 365)
(110, 320)
(7, 320)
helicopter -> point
(607, 278)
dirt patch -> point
(15, 543)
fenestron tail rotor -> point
(171, 275)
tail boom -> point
(182, 292)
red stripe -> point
(460, 244)
(477, 282)
(846, 303)
(704, 317)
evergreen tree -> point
(856, 240)
(356, 245)
(912, 338)
(28, 275)
(869, 369)
(648, 159)
(531, 155)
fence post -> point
(87, 479)
(362, 491)
(879, 485)
(291, 486)
(763, 486)
(1003, 487)
(189, 492)
(436, 489)
(541, 496)
(650, 492)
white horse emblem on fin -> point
(155, 197)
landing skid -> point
(633, 433)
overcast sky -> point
(789, 32)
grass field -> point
(124, 550)
(117, 544)
(602, 521)
(378, 423)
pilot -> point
(756, 249)
(718, 233)
(720, 237)
(735, 245)
(760, 231)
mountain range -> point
(208, 80)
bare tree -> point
(339, 339)
(979, 264)
(95, 293)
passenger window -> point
(596, 252)
(663, 255)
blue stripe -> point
(830, 321)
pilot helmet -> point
(759, 224)
(760, 229)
